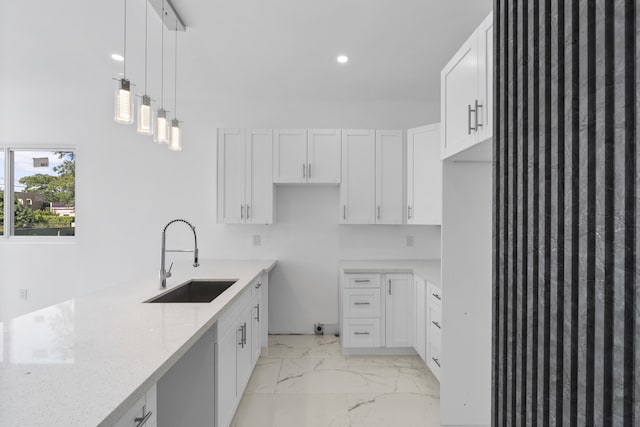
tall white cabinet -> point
(424, 176)
(245, 190)
(372, 177)
(467, 92)
(306, 156)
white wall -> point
(57, 89)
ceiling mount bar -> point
(172, 21)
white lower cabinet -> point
(238, 350)
(143, 413)
(421, 328)
(399, 314)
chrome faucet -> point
(164, 275)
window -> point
(42, 187)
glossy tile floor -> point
(305, 381)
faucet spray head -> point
(195, 258)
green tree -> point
(24, 217)
(55, 188)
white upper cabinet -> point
(389, 177)
(323, 156)
(301, 156)
(290, 156)
(358, 189)
(467, 92)
(424, 176)
(245, 189)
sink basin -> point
(195, 291)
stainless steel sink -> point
(195, 291)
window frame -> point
(7, 235)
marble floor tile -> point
(304, 380)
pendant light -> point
(161, 134)
(123, 100)
(145, 123)
(176, 133)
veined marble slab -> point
(427, 269)
(85, 361)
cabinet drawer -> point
(145, 405)
(435, 317)
(435, 295)
(361, 303)
(362, 333)
(362, 280)
(434, 357)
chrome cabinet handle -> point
(436, 360)
(469, 128)
(362, 303)
(309, 169)
(437, 324)
(363, 333)
(258, 285)
(389, 286)
(378, 211)
(247, 206)
(362, 280)
(244, 333)
(478, 124)
(304, 171)
(144, 418)
(436, 296)
(241, 330)
(257, 307)
(344, 211)
(241, 212)
(409, 211)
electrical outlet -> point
(256, 240)
(410, 241)
(24, 294)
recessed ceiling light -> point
(117, 57)
(342, 59)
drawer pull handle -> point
(257, 307)
(363, 333)
(437, 361)
(437, 324)
(436, 296)
(361, 303)
(258, 285)
(143, 420)
(363, 280)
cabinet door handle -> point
(378, 211)
(437, 361)
(309, 170)
(244, 333)
(362, 280)
(361, 303)
(258, 285)
(241, 330)
(304, 171)
(436, 296)
(437, 324)
(257, 313)
(344, 211)
(389, 286)
(144, 418)
(241, 212)
(469, 128)
(409, 211)
(247, 206)
(361, 333)
(478, 124)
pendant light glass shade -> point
(124, 103)
(161, 134)
(145, 119)
(176, 136)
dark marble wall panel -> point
(566, 314)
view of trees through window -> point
(43, 192)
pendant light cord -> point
(124, 63)
(146, 44)
(162, 62)
(175, 85)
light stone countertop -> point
(85, 361)
(427, 269)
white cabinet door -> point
(389, 177)
(399, 310)
(485, 76)
(259, 185)
(231, 176)
(323, 156)
(420, 341)
(243, 358)
(459, 91)
(226, 376)
(256, 332)
(290, 156)
(424, 176)
(358, 191)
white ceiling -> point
(287, 48)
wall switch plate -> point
(24, 295)
(256, 240)
(410, 241)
